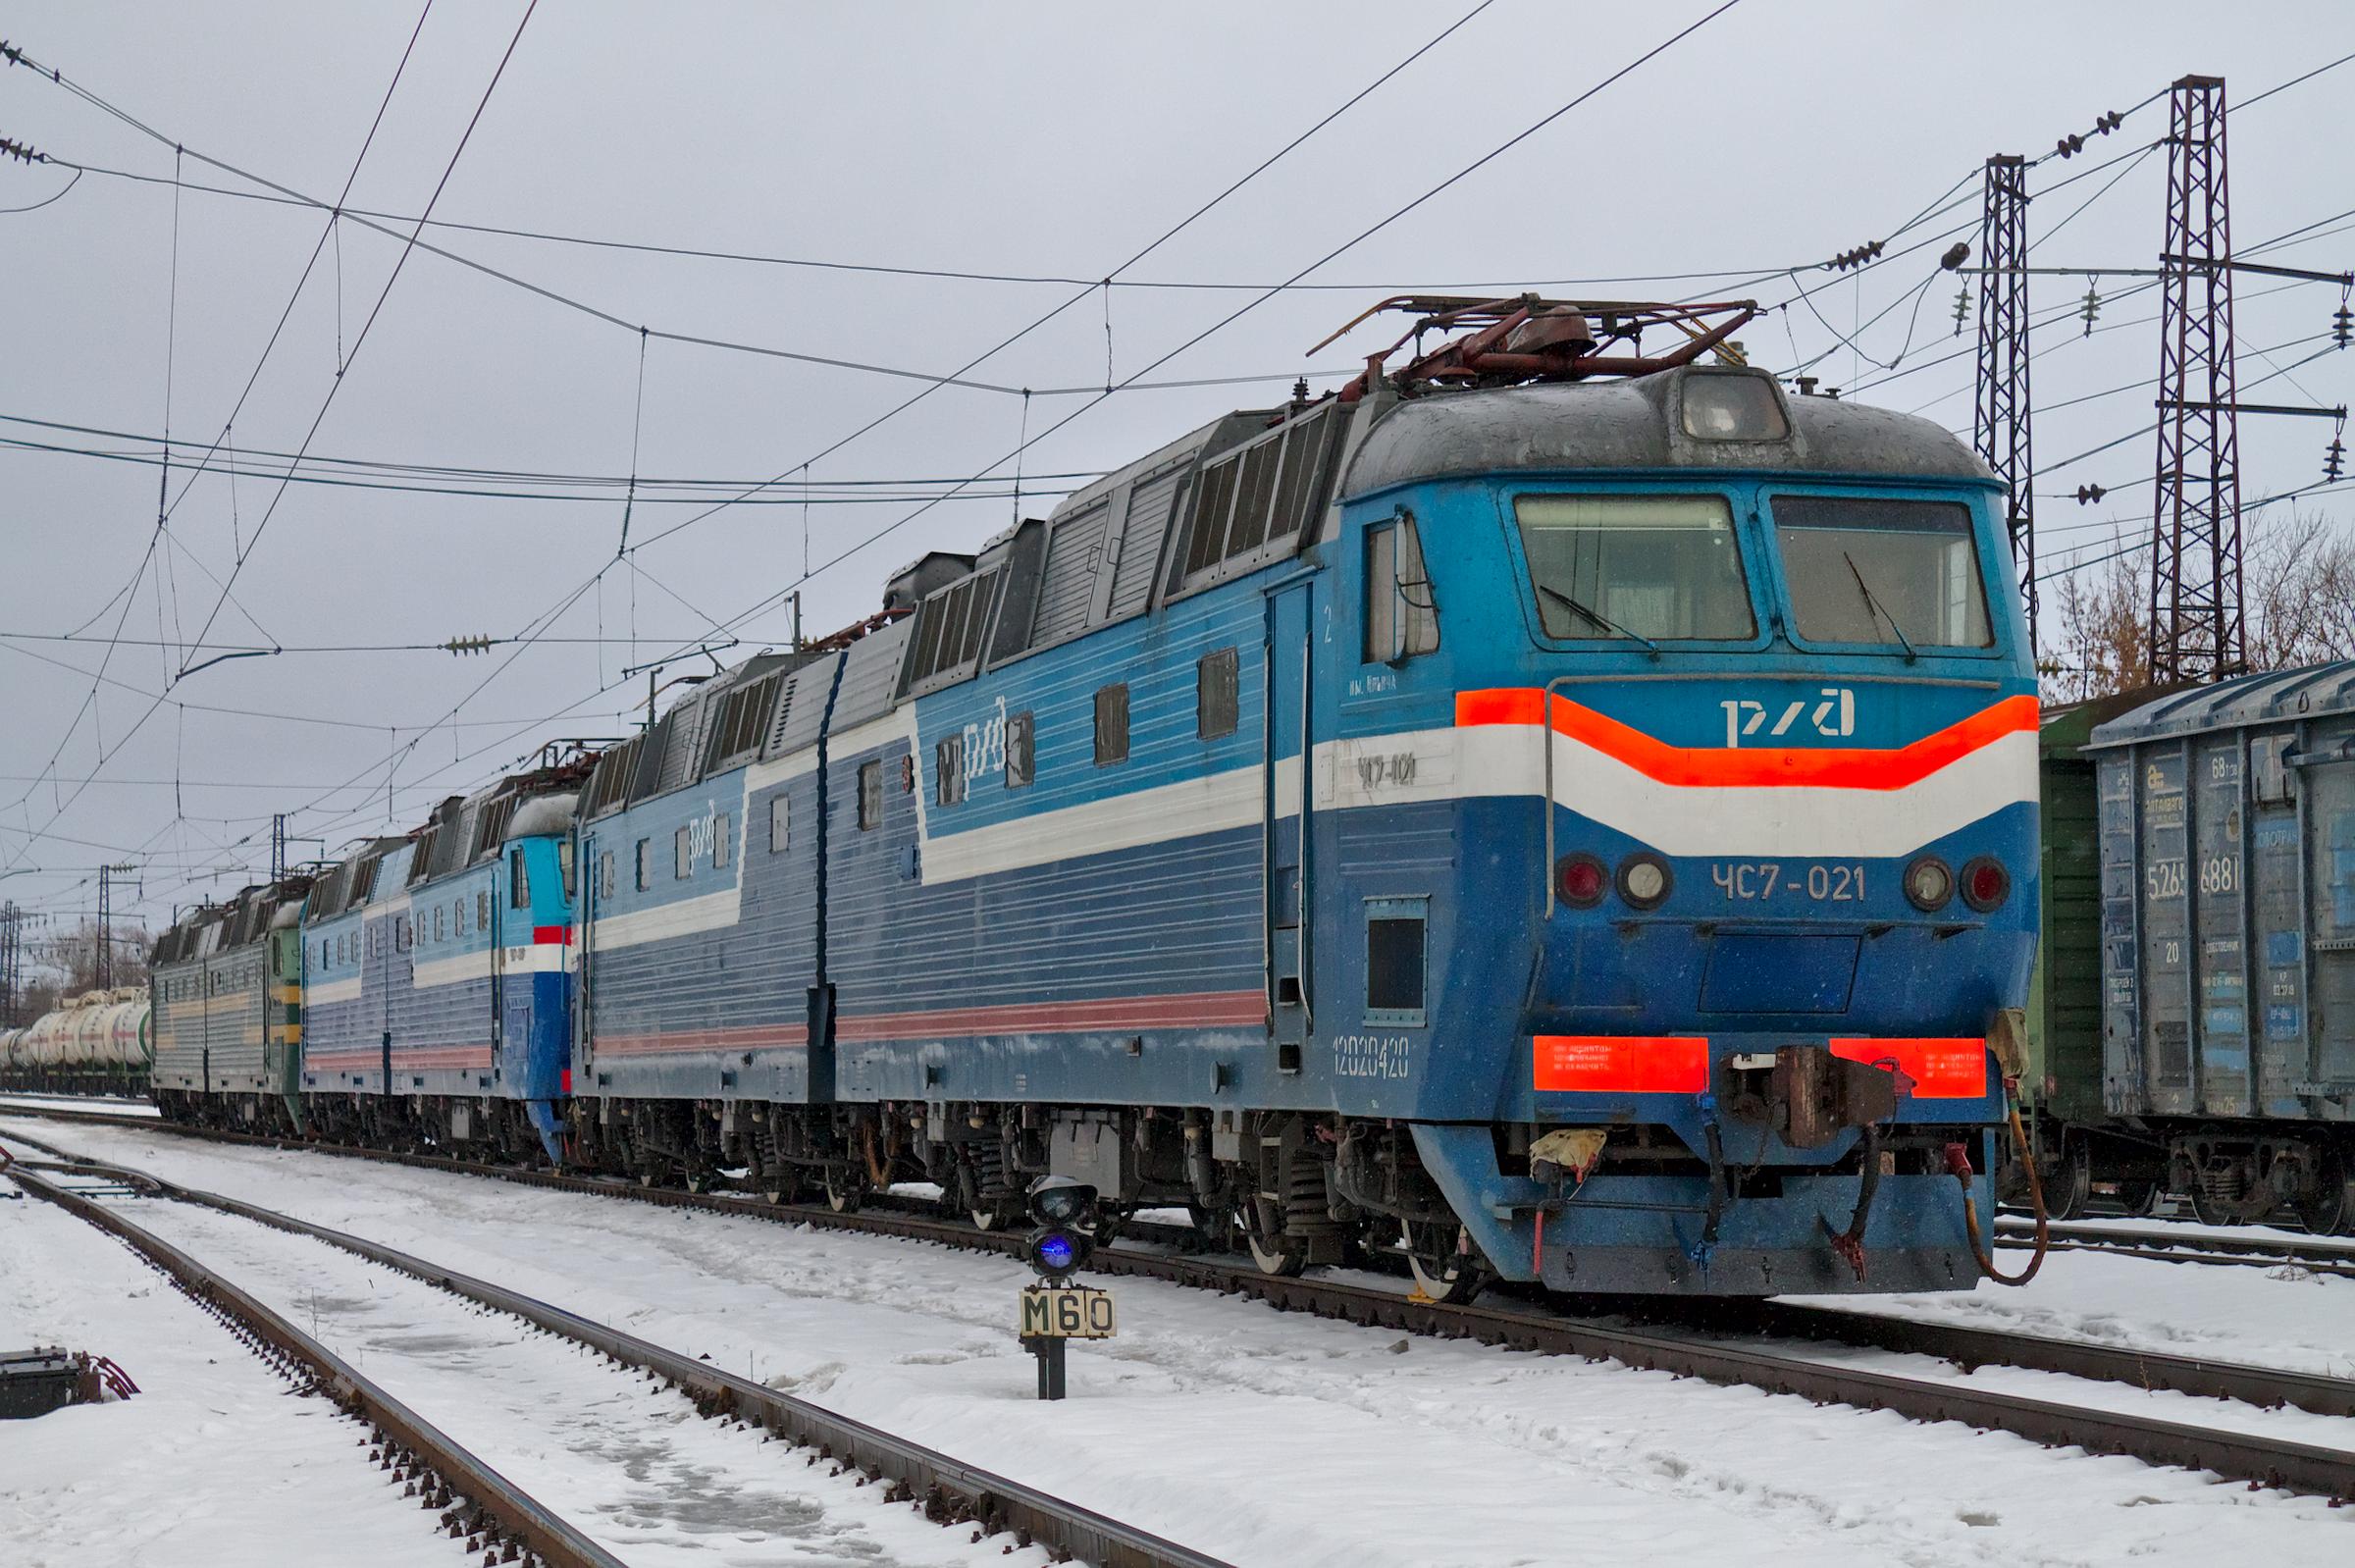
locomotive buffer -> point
(1056, 1311)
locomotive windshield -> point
(1865, 571)
(1636, 566)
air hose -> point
(1957, 1162)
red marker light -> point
(1985, 884)
(1581, 879)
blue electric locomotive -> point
(437, 976)
(1564, 814)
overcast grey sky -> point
(1042, 140)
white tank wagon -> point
(97, 1043)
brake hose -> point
(1957, 1162)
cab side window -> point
(1402, 616)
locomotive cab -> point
(1732, 691)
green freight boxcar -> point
(2193, 1024)
(2081, 1153)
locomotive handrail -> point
(1546, 739)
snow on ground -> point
(214, 1461)
(627, 1461)
(1267, 1437)
(2284, 1317)
(112, 1104)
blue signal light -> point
(1057, 1252)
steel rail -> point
(2166, 1244)
(489, 1510)
(1972, 1348)
(1682, 1352)
(949, 1490)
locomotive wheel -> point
(1284, 1258)
(1282, 1255)
(1444, 1266)
(846, 1189)
(2139, 1199)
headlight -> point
(1732, 406)
(1644, 880)
(1929, 884)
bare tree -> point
(72, 956)
(2104, 647)
(2298, 585)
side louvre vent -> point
(609, 785)
(783, 717)
(1251, 504)
(683, 747)
(1140, 542)
(1074, 552)
(741, 723)
(949, 627)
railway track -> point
(949, 1492)
(1719, 1353)
(2172, 1244)
(476, 1503)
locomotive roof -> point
(1635, 424)
(2274, 697)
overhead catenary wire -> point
(262, 525)
(935, 274)
(15, 57)
(1606, 81)
(770, 601)
(1091, 286)
(524, 642)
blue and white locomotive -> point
(437, 981)
(1561, 813)
(1569, 828)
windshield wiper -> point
(1603, 621)
(1874, 605)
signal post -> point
(1054, 1311)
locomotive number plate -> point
(1760, 880)
(1066, 1311)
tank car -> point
(225, 1013)
(2195, 1028)
(46, 1045)
(1561, 813)
(438, 984)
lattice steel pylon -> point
(2197, 630)
(2000, 428)
(102, 964)
(12, 962)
